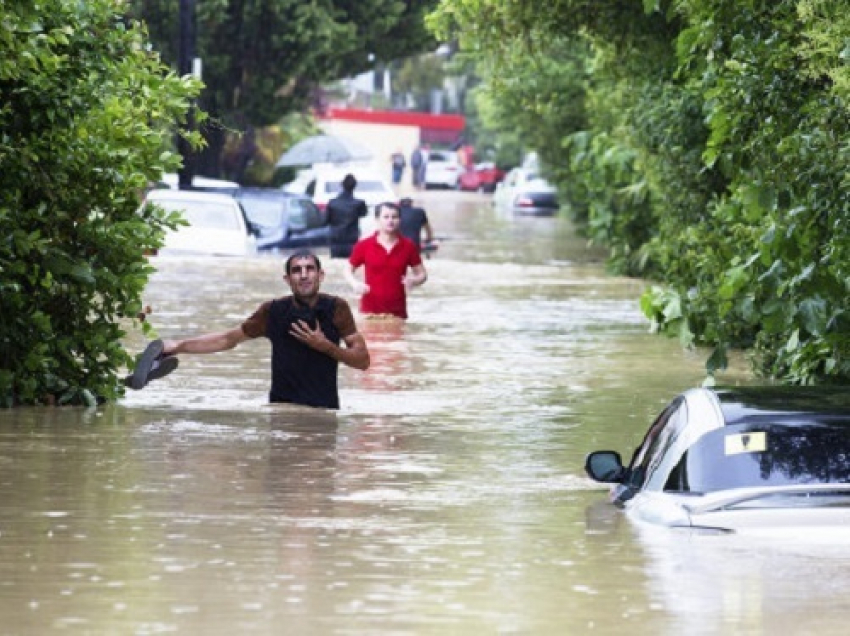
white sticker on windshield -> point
(746, 443)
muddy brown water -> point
(447, 496)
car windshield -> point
(265, 212)
(208, 215)
(758, 455)
(334, 187)
(303, 212)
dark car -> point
(283, 220)
(739, 459)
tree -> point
(87, 119)
(417, 77)
(713, 158)
(263, 59)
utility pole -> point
(185, 58)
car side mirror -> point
(605, 466)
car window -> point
(660, 436)
(371, 186)
(312, 215)
(265, 212)
(765, 454)
(303, 214)
(335, 187)
(205, 214)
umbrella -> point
(323, 149)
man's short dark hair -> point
(349, 183)
(301, 254)
(386, 204)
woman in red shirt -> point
(392, 266)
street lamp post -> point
(185, 62)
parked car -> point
(283, 220)
(482, 178)
(524, 191)
(326, 184)
(217, 223)
(741, 459)
(442, 169)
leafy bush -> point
(87, 116)
(714, 159)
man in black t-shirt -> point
(306, 330)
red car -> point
(482, 178)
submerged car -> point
(283, 220)
(216, 223)
(524, 191)
(741, 459)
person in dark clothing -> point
(416, 163)
(306, 330)
(398, 164)
(344, 214)
(413, 221)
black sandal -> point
(152, 364)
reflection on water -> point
(446, 496)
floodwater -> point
(447, 496)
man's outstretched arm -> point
(208, 343)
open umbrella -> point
(323, 149)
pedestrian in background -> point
(398, 165)
(423, 167)
(413, 221)
(392, 264)
(344, 214)
(416, 167)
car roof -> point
(188, 195)
(787, 405)
(268, 193)
(171, 179)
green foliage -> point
(85, 124)
(712, 156)
(417, 76)
(251, 157)
(264, 58)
